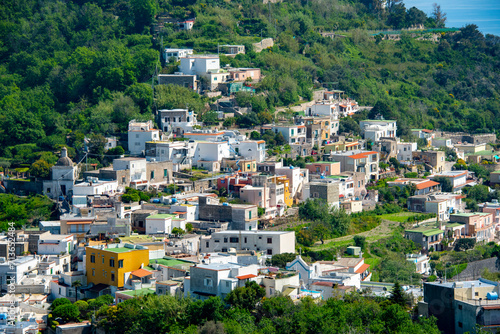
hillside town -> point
(217, 193)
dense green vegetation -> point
(245, 311)
(25, 210)
(68, 69)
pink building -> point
(325, 168)
(478, 225)
(493, 208)
(241, 74)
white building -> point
(293, 134)
(199, 64)
(251, 149)
(211, 151)
(136, 170)
(270, 242)
(324, 109)
(177, 53)
(94, 186)
(16, 269)
(62, 177)
(138, 134)
(164, 223)
(177, 121)
(49, 244)
(375, 129)
(298, 178)
(179, 152)
(405, 151)
(458, 178)
(421, 261)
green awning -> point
(288, 291)
(497, 157)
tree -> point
(143, 13)
(96, 145)
(58, 302)
(360, 241)
(464, 244)
(445, 182)
(280, 260)
(177, 231)
(261, 211)
(76, 285)
(320, 231)
(67, 312)
(115, 152)
(40, 168)
(438, 15)
(246, 297)
(189, 227)
(397, 295)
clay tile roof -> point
(246, 276)
(426, 184)
(362, 155)
(363, 268)
(428, 131)
(141, 273)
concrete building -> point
(375, 129)
(405, 151)
(478, 225)
(297, 177)
(442, 142)
(319, 130)
(342, 145)
(421, 262)
(199, 64)
(293, 134)
(49, 244)
(326, 189)
(177, 121)
(138, 134)
(54, 227)
(242, 74)
(250, 149)
(442, 204)
(176, 54)
(492, 207)
(164, 223)
(134, 170)
(427, 237)
(269, 242)
(358, 161)
(138, 219)
(458, 178)
(434, 159)
(232, 50)
(462, 306)
(15, 270)
(240, 216)
(325, 168)
(179, 79)
(422, 186)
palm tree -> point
(76, 285)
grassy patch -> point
(400, 217)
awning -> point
(288, 291)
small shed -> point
(353, 250)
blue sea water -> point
(483, 13)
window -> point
(249, 214)
(137, 135)
(225, 239)
(208, 282)
(103, 259)
(112, 277)
(48, 190)
(476, 294)
(92, 258)
(269, 251)
(245, 239)
(152, 174)
(459, 307)
(269, 240)
(165, 172)
(111, 262)
(207, 244)
(460, 324)
(227, 284)
(234, 239)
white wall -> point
(158, 225)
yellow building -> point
(108, 265)
(342, 146)
(244, 165)
(283, 180)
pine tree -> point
(397, 295)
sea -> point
(483, 13)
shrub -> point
(58, 302)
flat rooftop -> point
(470, 214)
(138, 292)
(162, 216)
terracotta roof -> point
(79, 222)
(362, 155)
(203, 134)
(180, 212)
(343, 105)
(246, 276)
(492, 307)
(141, 273)
(428, 131)
(363, 268)
(261, 141)
(330, 284)
(426, 184)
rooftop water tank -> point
(492, 296)
(225, 204)
(291, 167)
(174, 200)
